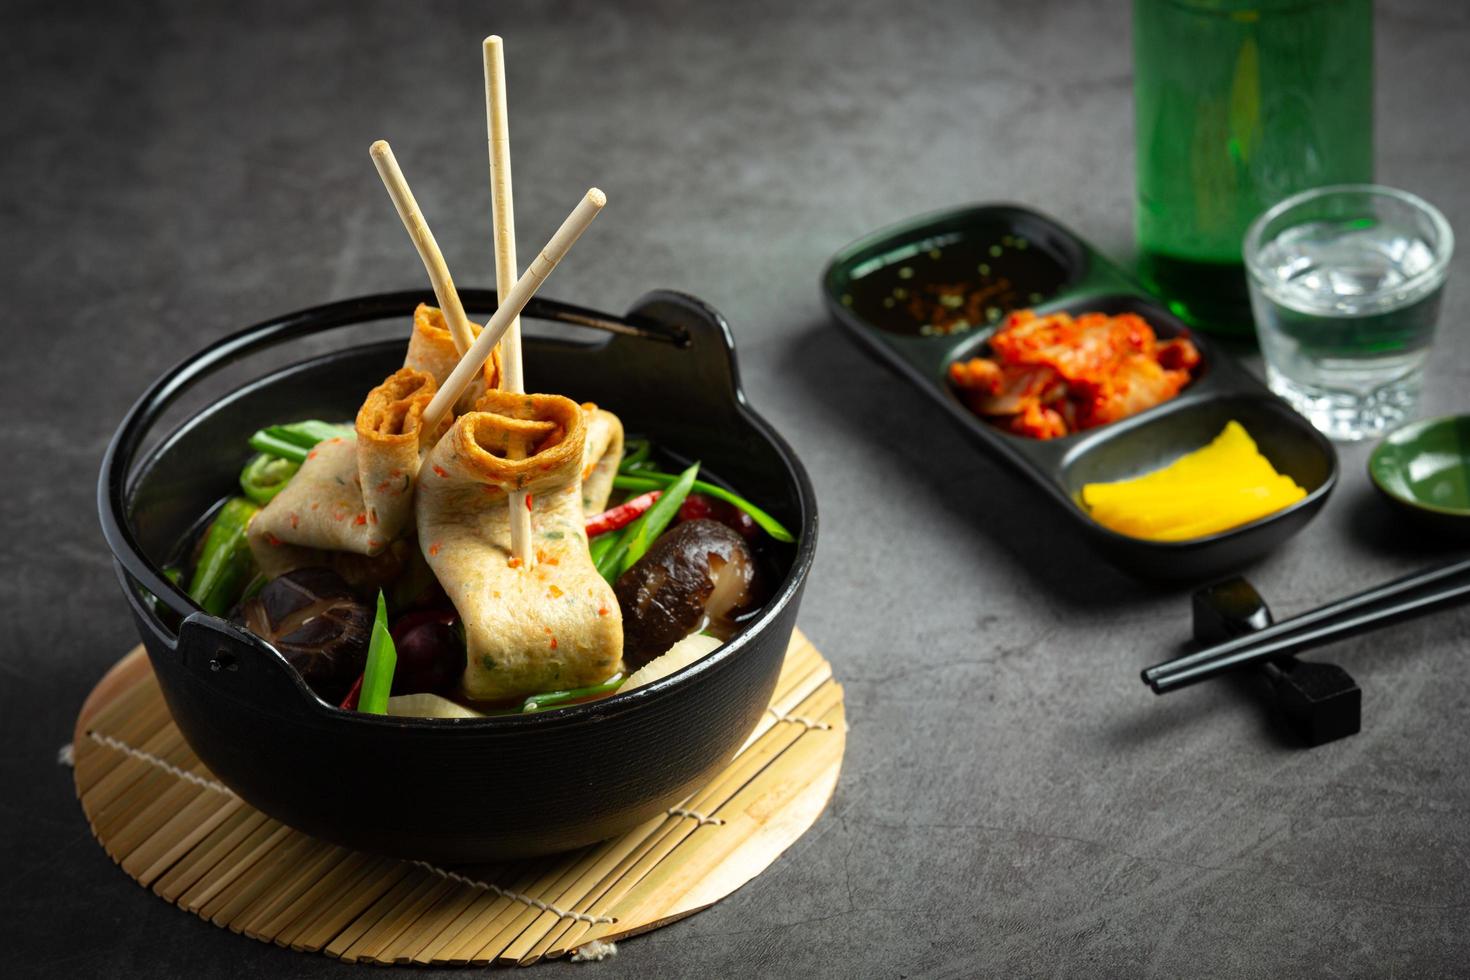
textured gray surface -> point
(1013, 801)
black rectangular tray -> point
(1087, 281)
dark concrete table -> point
(1013, 801)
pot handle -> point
(229, 659)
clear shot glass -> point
(1345, 285)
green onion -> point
(377, 676)
(601, 545)
(554, 699)
(264, 442)
(653, 480)
(309, 433)
(635, 451)
(265, 476)
(294, 440)
(225, 564)
(657, 517)
(609, 561)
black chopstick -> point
(1327, 633)
(1338, 620)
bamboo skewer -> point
(502, 211)
(497, 126)
(424, 243)
(511, 305)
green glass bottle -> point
(1238, 104)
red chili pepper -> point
(349, 703)
(621, 515)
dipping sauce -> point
(953, 283)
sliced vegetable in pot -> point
(225, 565)
(431, 706)
(599, 547)
(679, 656)
(267, 444)
(657, 518)
(636, 537)
(265, 476)
(646, 479)
(622, 515)
(295, 439)
(555, 699)
(635, 454)
(377, 675)
(609, 559)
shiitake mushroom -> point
(316, 622)
(695, 577)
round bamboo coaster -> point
(176, 830)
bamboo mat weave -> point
(179, 832)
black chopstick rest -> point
(1228, 609)
(1319, 701)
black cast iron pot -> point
(457, 790)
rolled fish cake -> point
(601, 457)
(352, 496)
(527, 630)
(431, 349)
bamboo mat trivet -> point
(176, 830)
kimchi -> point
(1049, 376)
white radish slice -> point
(428, 706)
(679, 656)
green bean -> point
(265, 476)
(658, 517)
(653, 480)
(555, 699)
(382, 658)
(225, 564)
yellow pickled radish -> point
(1151, 514)
(1232, 449)
(1211, 514)
(1219, 486)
